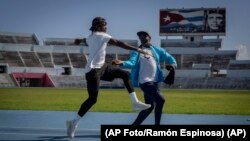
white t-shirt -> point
(147, 67)
(97, 43)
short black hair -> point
(143, 33)
(97, 21)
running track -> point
(24, 125)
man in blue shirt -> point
(146, 73)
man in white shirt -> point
(96, 70)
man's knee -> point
(162, 101)
(151, 108)
(125, 75)
(92, 100)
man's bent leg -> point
(92, 87)
(125, 76)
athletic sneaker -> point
(71, 127)
(138, 106)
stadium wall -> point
(238, 73)
(43, 77)
(192, 73)
(49, 71)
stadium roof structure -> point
(201, 51)
(215, 43)
(59, 41)
(201, 66)
(239, 64)
(19, 38)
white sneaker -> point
(140, 106)
(71, 127)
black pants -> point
(152, 96)
(107, 73)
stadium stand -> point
(18, 38)
(61, 59)
(30, 59)
(46, 59)
(239, 69)
(12, 58)
(200, 63)
(218, 59)
(67, 81)
(202, 66)
(191, 42)
(59, 41)
(239, 65)
(6, 81)
(78, 60)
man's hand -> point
(117, 62)
(170, 67)
(169, 80)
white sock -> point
(77, 119)
(133, 97)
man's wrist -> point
(139, 49)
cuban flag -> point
(182, 21)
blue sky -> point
(72, 18)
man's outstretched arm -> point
(124, 45)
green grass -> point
(235, 102)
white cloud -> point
(243, 52)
